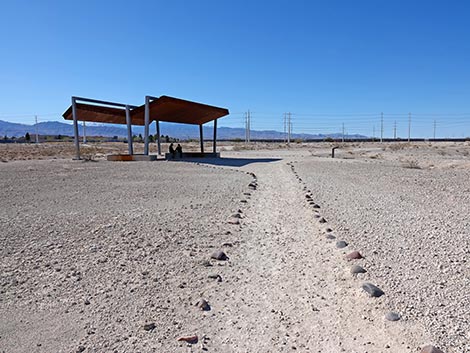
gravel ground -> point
(92, 251)
(103, 256)
(412, 227)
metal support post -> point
(214, 147)
(159, 146)
(201, 138)
(129, 131)
(333, 151)
(146, 128)
(75, 129)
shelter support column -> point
(159, 146)
(146, 129)
(214, 149)
(75, 129)
(201, 137)
(129, 131)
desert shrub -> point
(411, 164)
(397, 146)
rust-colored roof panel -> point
(165, 108)
(99, 114)
(178, 110)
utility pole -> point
(434, 130)
(246, 127)
(285, 127)
(395, 130)
(373, 132)
(36, 126)
(84, 132)
(409, 127)
(289, 127)
(342, 139)
(381, 127)
(249, 126)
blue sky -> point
(327, 62)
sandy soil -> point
(94, 251)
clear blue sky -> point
(307, 57)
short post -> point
(129, 131)
(146, 128)
(333, 151)
(214, 149)
(75, 129)
(201, 138)
(159, 146)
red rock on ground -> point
(355, 255)
(189, 339)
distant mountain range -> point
(181, 131)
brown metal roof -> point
(165, 108)
(97, 113)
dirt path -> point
(288, 288)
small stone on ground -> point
(358, 269)
(341, 244)
(219, 255)
(203, 305)
(372, 290)
(149, 327)
(392, 316)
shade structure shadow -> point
(228, 162)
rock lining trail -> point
(288, 287)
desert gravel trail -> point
(290, 289)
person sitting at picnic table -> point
(179, 149)
(171, 150)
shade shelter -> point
(164, 108)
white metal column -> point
(75, 129)
(129, 131)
